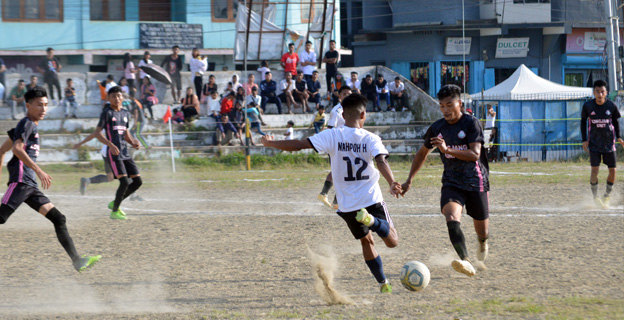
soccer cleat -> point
(85, 262)
(118, 215)
(598, 202)
(83, 185)
(323, 199)
(482, 252)
(605, 202)
(464, 266)
(364, 217)
(385, 287)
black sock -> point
(457, 238)
(594, 189)
(121, 192)
(326, 186)
(101, 178)
(134, 186)
(609, 188)
(58, 219)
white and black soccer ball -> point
(415, 276)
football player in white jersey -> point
(335, 121)
(360, 202)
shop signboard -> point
(512, 47)
(457, 46)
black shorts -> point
(476, 202)
(608, 158)
(176, 78)
(123, 167)
(359, 230)
(20, 192)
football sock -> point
(134, 186)
(5, 213)
(609, 188)
(121, 192)
(376, 268)
(594, 189)
(326, 186)
(382, 227)
(457, 238)
(101, 178)
(58, 219)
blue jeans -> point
(382, 96)
(70, 107)
(257, 126)
(318, 126)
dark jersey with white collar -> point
(26, 130)
(115, 123)
(599, 125)
(465, 175)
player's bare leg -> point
(374, 263)
(452, 212)
(482, 230)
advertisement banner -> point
(457, 46)
(512, 47)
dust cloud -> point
(323, 270)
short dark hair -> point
(380, 76)
(291, 44)
(290, 122)
(600, 83)
(368, 76)
(32, 77)
(299, 72)
(211, 76)
(110, 77)
(343, 88)
(254, 88)
(20, 81)
(36, 92)
(320, 107)
(315, 71)
(353, 103)
(397, 78)
(310, 42)
(330, 41)
(68, 80)
(49, 49)
(353, 72)
(268, 72)
(176, 47)
(114, 89)
(449, 90)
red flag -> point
(167, 115)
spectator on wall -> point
(227, 104)
(397, 93)
(381, 87)
(286, 87)
(319, 120)
(264, 68)
(198, 65)
(300, 93)
(369, 90)
(240, 94)
(50, 66)
(331, 65)
(173, 65)
(145, 61)
(148, 96)
(354, 83)
(290, 60)
(268, 89)
(190, 105)
(338, 83)
(34, 81)
(209, 88)
(314, 89)
(254, 98)
(225, 131)
(255, 120)
(237, 117)
(213, 104)
(308, 61)
(16, 98)
(129, 73)
(251, 83)
(235, 83)
(69, 102)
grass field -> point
(214, 241)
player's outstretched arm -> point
(85, 140)
(384, 168)
(472, 154)
(417, 163)
(20, 153)
(286, 145)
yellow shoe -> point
(386, 287)
(464, 266)
(605, 202)
(364, 217)
(323, 199)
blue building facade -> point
(560, 40)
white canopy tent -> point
(523, 84)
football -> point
(415, 276)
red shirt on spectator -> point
(227, 105)
(290, 62)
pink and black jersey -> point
(115, 124)
(18, 172)
(599, 125)
(465, 175)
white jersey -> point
(336, 120)
(352, 153)
(490, 121)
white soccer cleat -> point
(482, 252)
(323, 199)
(464, 266)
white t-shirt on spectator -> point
(214, 105)
(308, 57)
(142, 63)
(490, 121)
(251, 99)
(110, 85)
(336, 119)
(392, 87)
(290, 132)
(355, 179)
(283, 85)
(357, 84)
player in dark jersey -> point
(23, 173)
(465, 180)
(599, 130)
(115, 121)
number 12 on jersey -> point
(358, 174)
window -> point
(453, 73)
(531, 1)
(306, 14)
(108, 10)
(224, 10)
(574, 79)
(32, 10)
(419, 72)
(155, 10)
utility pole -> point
(611, 56)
